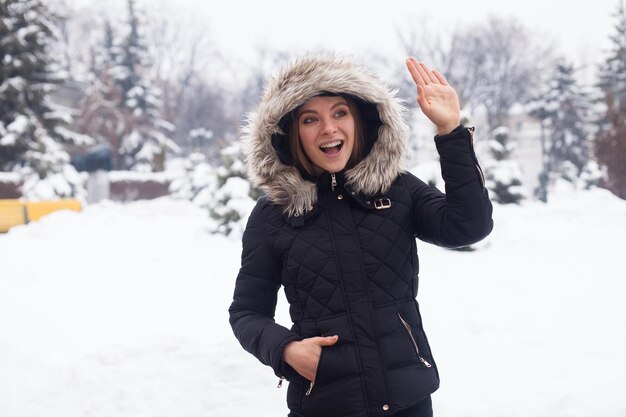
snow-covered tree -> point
(567, 115)
(197, 182)
(503, 176)
(610, 142)
(234, 198)
(144, 147)
(123, 105)
(563, 109)
(100, 113)
(33, 130)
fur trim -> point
(293, 86)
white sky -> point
(580, 28)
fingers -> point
(421, 97)
(427, 73)
(422, 75)
(440, 77)
(412, 67)
(326, 341)
(424, 72)
(419, 74)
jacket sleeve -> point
(254, 301)
(462, 215)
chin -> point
(334, 168)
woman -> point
(337, 229)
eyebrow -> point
(339, 103)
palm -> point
(439, 103)
(436, 98)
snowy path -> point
(121, 311)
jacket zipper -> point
(478, 168)
(417, 350)
(349, 312)
(308, 392)
(333, 181)
(482, 176)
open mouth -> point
(332, 148)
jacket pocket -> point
(409, 332)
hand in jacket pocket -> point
(304, 355)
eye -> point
(307, 120)
(341, 113)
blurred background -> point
(127, 113)
(161, 88)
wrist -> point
(446, 129)
(287, 351)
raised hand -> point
(436, 98)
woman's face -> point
(326, 131)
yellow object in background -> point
(16, 212)
(12, 213)
(37, 209)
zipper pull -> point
(424, 362)
(333, 181)
(308, 392)
(280, 382)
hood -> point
(303, 79)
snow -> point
(429, 172)
(19, 125)
(12, 177)
(162, 177)
(15, 129)
(505, 171)
(67, 183)
(230, 206)
(121, 310)
(73, 137)
(195, 180)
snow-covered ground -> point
(121, 311)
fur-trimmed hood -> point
(301, 80)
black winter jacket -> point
(348, 262)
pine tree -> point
(145, 146)
(33, 130)
(123, 105)
(233, 199)
(198, 181)
(563, 110)
(503, 177)
(100, 113)
(610, 143)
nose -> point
(328, 127)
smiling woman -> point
(337, 229)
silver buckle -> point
(382, 203)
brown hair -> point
(303, 163)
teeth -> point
(331, 144)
